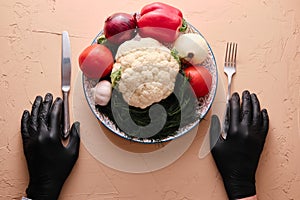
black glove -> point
(237, 156)
(49, 162)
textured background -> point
(268, 34)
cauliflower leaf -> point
(115, 77)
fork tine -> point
(235, 52)
(226, 55)
(232, 48)
(232, 54)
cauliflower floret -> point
(148, 75)
(137, 43)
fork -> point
(229, 70)
(230, 64)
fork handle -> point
(227, 111)
(229, 88)
(226, 118)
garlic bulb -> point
(102, 93)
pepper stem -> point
(183, 26)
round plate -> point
(203, 102)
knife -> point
(65, 80)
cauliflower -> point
(148, 74)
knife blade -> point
(66, 80)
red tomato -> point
(96, 61)
(200, 79)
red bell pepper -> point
(160, 21)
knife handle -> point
(66, 116)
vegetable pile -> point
(144, 59)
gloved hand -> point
(49, 162)
(237, 156)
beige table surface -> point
(268, 34)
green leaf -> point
(115, 77)
(102, 39)
(174, 53)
